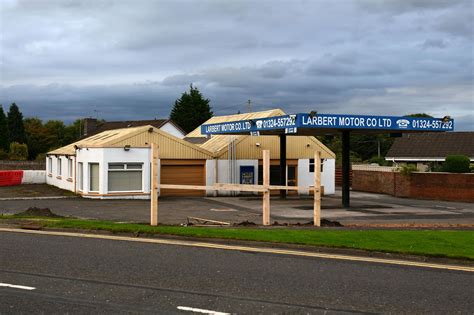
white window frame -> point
(50, 165)
(124, 169)
(311, 165)
(90, 178)
(80, 176)
(59, 166)
(69, 167)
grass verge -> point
(436, 243)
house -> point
(427, 149)
(116, 163)
(93, 126)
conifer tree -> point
(191, 110)
(15, 125)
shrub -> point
(457, 164)
(380, 161)
(406, 170)
(18, 151)
(3, 155)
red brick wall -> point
(437, 186)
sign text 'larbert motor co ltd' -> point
(291, 123)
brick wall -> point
(437, 186)
(22, 165)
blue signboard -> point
(247, 175)
(291, 123)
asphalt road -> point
(77, 275)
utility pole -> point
(249, 107)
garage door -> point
(183, 175)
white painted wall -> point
(224, 174)
(328, 176)
(104, 156)
(171, 129)
(33, 177)
(62, 181)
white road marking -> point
(249, 249)
(223, 210)
(200, 310)
(15, 286)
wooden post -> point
(317, 189)
(266, 183)
(154, 185)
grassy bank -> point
(439, 243)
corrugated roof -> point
(220, 119)
(116, 137)
(218, 144)
(432, 145)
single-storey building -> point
(428, 149)
(116, 163)
(240, 155)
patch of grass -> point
(438, 243)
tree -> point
(58, 130)
(419, 115)
(18, 151)
(15, 124)
(4, 133)
(191, 110)
(38, 138)
(73, 132)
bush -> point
(406, 170)
(457, 164)
(18, 151)
(3, 155)
(380, 161)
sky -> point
(127, 60)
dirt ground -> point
(33, 190)
(366, 209)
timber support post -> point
(154, 185)
(266, 183)
(317, 189)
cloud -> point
(69, 59)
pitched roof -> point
(111, 125)
(218, 144)
(432, 145)
(116, 138)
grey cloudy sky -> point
(66, 59)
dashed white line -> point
(15, 286)
(200, 310)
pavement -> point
(366, 209)
(64, 274)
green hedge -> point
(457, 164)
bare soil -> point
(33, 190)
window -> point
(93, 176)
(311, 165)
(80, 180)
(125, 177)
(69, 168)
(50, 165)
(59, 166)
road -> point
(59, 274)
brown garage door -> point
(183, 175)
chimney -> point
(90, 125)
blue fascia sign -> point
(291, 123)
